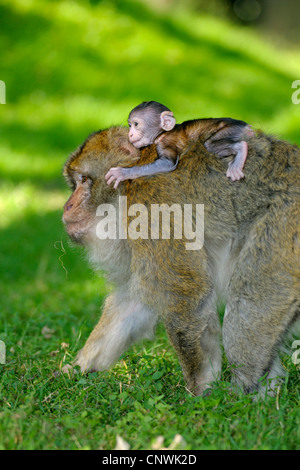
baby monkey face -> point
(148, 122)
(138, 132)
(144, 126)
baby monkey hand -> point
(117, 173)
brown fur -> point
(172, 143)
(250, 259)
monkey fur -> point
(153, 123)
(250, 259)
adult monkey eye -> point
(84, 179)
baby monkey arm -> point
(118, 174)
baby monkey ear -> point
(167, 120)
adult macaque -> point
(153, 123)
(250, 259)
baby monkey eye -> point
(136, 124)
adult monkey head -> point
(250, 259)
(82, 173)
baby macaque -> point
(153, 123)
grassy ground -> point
(71, 67)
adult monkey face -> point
(76, 210)
(82, 173)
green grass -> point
(72, 67)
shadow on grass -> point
(48, 56)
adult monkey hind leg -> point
(264, 298)
(195, 334)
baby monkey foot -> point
(235, 168)
(234, 173)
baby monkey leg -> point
(230, 141)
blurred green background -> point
(75, 66)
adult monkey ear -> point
(167, 120)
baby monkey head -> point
(147, 121)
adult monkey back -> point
(250, 259)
